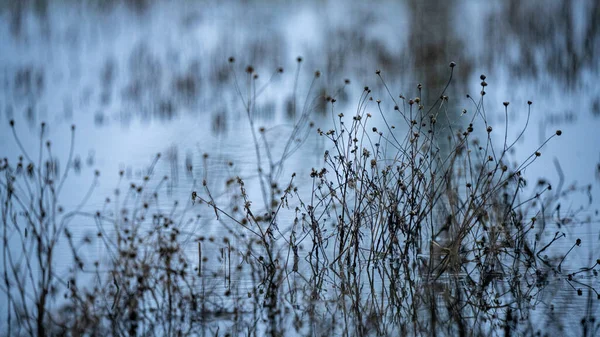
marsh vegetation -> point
(420, 228)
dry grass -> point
(416, 229)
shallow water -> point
(147, 78)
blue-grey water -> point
(142, 77)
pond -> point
(200, 83)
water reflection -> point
(532, 48)
(139, 77)
(127, 65)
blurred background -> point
(142, 76)
(138, 77)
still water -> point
(139, 78)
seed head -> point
(299, 59)
(249, 69)
(578, 242)
(12, 122)
(378, 72)
(506, 103)
(317, 74)
(231, 59)
(482, 77)
(558, 132)
(346, 81)
(489, 129)
(280, 70)
(529, 102)
(419, 86)
(452, 64)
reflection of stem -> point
(118, 295)
(199, 258)
(226, 265)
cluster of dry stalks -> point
(414, 229)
